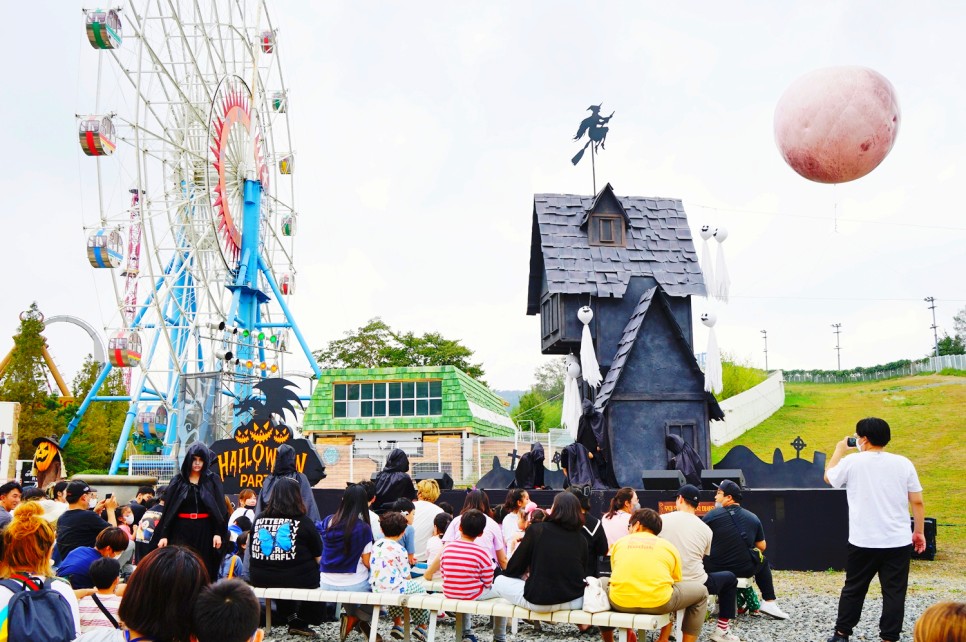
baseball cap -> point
(689, 492)
(728, 487)
(75, 489)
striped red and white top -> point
(467, 570)
(91, 617)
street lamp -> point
(764, 335)
(838, 345)
(935, 334)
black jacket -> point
(210, 487)
(557, 561)
(393, 481)
(285, 467)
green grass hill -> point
(928, 426)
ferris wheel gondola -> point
(199, 118)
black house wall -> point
(610, 317)
(659, 384)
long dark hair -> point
(566, 512)
(479, 500)
(513, 497)
(161, 594)
(354, 507)
(623, 496)
(285, 500)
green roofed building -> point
(428, 411)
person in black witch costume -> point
(686, 459)
(195, 514)
(529, 472)
(393, 481)
(285, 468)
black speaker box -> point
(443, 479)
(717, 475)
(930, 531)
(662, 479)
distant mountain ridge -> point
(512, 397)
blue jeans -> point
(499, 623)
(362, 612)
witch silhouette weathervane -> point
(595, 128)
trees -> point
(951, 345)
(550, 378)
(92, 445)
(959, 324)
(530, 408)
(376, 345)
(25, 382)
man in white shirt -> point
(880, 487)
(692, 538)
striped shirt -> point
(92, 617)
(467, 570)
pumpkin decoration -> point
(48, 464)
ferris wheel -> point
(193, 234)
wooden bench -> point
(743, 583)
(434, 602)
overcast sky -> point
(422, 131)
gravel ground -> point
(810, 599)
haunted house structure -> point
(632, 260)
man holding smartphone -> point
(880, 487)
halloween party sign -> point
(248, 457)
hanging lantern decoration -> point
(289, 224)
(706, 266)
(286, 164)
(124, 349)
(104, 29)
(723, 280)
(105, 248)
(588, 359)
(712, 365)
(571, 399)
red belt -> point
(193, 515)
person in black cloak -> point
(285, 467)
(529, 472)
(685, 459)
(592, 435)
(393, 481)
(195, 514)
(579, 469)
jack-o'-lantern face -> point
(281, 434)
(242, 435)
(261, 434)
(45, 455)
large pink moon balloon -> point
(837, 124)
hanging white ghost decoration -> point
(571, 397)
(723, 280)
(588, 358)
(712, 361)
(706, 266)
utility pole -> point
(935, 333)
(764, 335)
(838, 344)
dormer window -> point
(606, 230)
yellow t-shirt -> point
(643, 569)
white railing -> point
(748, 409)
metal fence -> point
(932, 364)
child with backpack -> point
(99, 610)
(232, 566)
(34, 605)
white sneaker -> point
(771, 610)
(726, 636)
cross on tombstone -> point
(798, 445)
(556, 459)
(513, 459)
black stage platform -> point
(806, 529)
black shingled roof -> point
(653, 296)
(659, 245)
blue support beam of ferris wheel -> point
(72, 426)
(288, 315)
